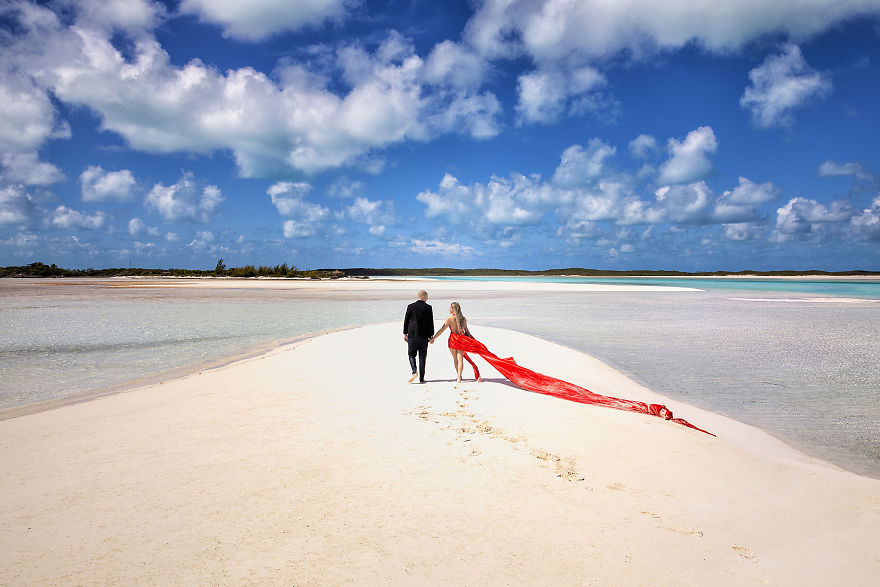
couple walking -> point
(418, 331)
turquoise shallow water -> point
(806, 371)
(839, 287)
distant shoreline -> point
(39, 269)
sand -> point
(409, 284)
(319, 463)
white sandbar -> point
(319, 463)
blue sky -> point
(624, 134)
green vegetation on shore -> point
(42, 270)
(221, 270)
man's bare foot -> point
(413, 378)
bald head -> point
(423, 295)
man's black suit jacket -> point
(419, 320)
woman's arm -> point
(439, 332)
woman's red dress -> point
(533, 381)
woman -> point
(457, 323)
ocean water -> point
(839, 287)
(791, 361)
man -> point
(418, 327)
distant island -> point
(283, 270)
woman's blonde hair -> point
(459, 317)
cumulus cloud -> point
(781, 84)
(375, 213)
(107, 186)
(866, 224)
(689, 159)
(803, 218)
(519, 200)
(582, 193)
(686, 204)
(17, 206)
(305, 218)
(743, 231)
(579, 166)
(345, 188)
(556, 31)
(643, 146)
(27, 169)
(436, 247)
(136, 227)
(451, 64)
(740, 204)
(297, 119)
(64, 217)
(545, 95)
(183, 201)
(132, 16)
(259, 19)
(28, 118)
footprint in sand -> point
(745, 553)
(696, 533)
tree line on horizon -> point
(283, 270)
(40, 269)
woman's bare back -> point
(452, 323)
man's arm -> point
(406, 320)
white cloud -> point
(475, 115)
(577, 230)
(802, 218)
(292, 120)
(579, 166)
(183, 201)
(27, 169)
(107, 186)
(455, 65)
(743, 231)
(27, 118)
(556, 31)
(545, 95)
(22, 240)
(749, 192)
(452, 201)
(136, 227)
(132, 16)
(305, 218)
(345, 188)
(643, 146)
(687, 204)
(740, 204)
(519, 200)
(259, 19)
(374, 213)
(834, 169)
(17, 207)
(65, 217)
(689, 159)
(866, 224)
(781, 84)
(436, 247)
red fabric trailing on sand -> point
(532, 381)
